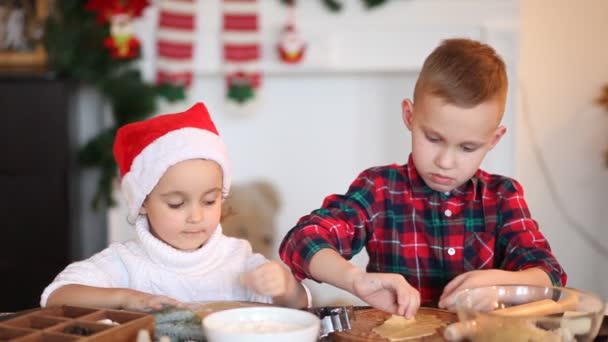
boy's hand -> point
(531, 276)
(141, 301)
(269, 279)
(387, 292)
(469, 280)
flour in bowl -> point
(261, 327)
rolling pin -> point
(460, 330)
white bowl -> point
(261, 324)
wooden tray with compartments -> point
(73, 323)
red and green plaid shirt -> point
(427, 236)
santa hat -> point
(144, 150)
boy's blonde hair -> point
(463, 72)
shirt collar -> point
(467, 191)
(417, 186)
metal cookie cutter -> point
(334, 318)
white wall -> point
(564, 63)
(338, 113)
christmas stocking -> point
(241, 51)
(175, 41)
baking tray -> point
(74, 323)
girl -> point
(175, 173)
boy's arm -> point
(385, 291)
(520, 242)
(319, 246)
(524, 254)
(115, 298)
(341, 224)
(328, 266)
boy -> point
(437, 224)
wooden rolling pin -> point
(460, 330)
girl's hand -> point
(269, 279)
(387, 292)
(141, 301)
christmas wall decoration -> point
(175, 41)
(76, 45)
(241, 51)
(291, 46)
(121, 42)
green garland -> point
(74, 43)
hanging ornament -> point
(291, 46)
(122, 44)
(241, 87)
(241, 47)
(175, 42)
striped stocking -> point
(175, 41)
(241, 50)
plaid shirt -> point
(427, 236)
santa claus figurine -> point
(291, 46)
(122, 43)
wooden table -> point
(367, 318)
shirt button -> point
(451, 251)
(447, 213)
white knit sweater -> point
(149, 265)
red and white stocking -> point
(175, 41)
(241, 51)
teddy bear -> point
(249, 213)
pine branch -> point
(74, 42)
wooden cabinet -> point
(35, 230)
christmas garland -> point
(83, 45)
